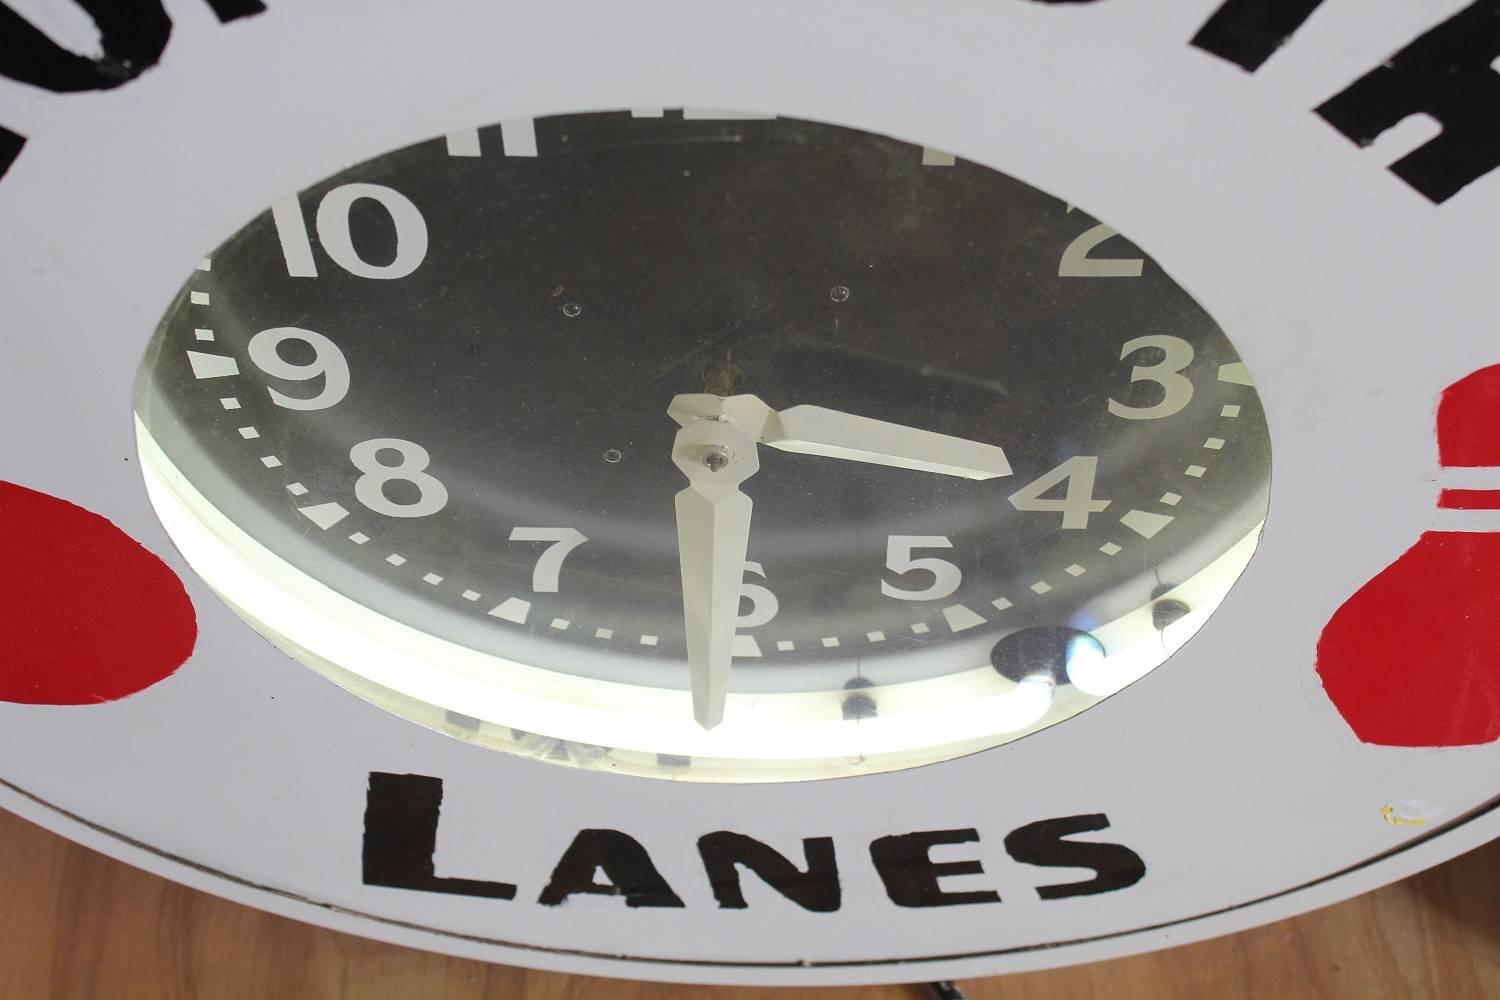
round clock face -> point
(426, 400)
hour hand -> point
(713, 532)
(815, 430)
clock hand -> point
(713, 532)
(716, 450)
(817, 430)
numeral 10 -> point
(336, 240)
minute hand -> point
(713, 531)
(816, 430)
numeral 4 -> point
(1077, 501)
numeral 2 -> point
(1076, 262)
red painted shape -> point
(1413, 658)
(87, 614)
(1468, 420)
(1469, 499)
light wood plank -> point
(75, 925)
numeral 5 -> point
(899, 559)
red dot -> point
(87, 614)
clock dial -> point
(412, 423)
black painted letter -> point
(1248, 32)
(401, 822)
(815, 889)
(133, 34)
(625, 863)
(1116, 866)
(10, 148)
(911, 877)
(1447, 74)
(233, 10)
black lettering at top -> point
(233, 10)
(1447, 74)
(133, 34)
(1248, 32)
(10, 148)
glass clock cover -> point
(413, 425)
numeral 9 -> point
(328, 361)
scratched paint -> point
(1410, 812)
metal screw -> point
(716, 458)
(839, 293)
(571, 309)
(720, 379)
(613, 455)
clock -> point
(798, 495)
(449, 425)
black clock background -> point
(566, 298)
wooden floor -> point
(75, 925)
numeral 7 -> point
(549, 567)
